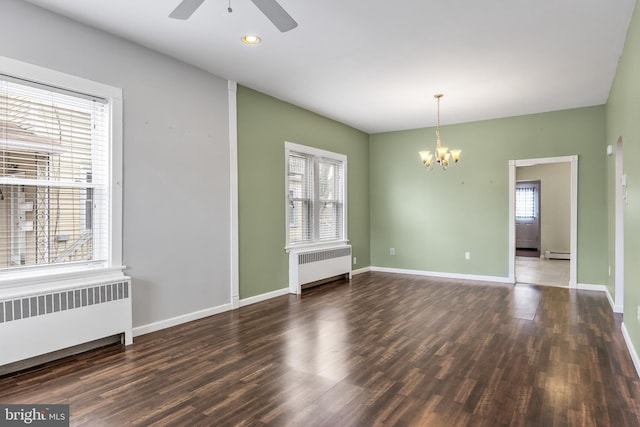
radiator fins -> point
(309, 257)
(39, 305)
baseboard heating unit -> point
(36, 320)
(556, 255)
(314, 265)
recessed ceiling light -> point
(251, 39)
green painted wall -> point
(623, 120)
(264, 123)
(432, 218)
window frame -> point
(530, 208)
(113, 264)
(317, 154)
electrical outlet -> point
(467, 256)
(355, 260)
(392, 251)
(609, 270)
(638, 315)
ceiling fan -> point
(270, 8)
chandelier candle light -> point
(443, 156)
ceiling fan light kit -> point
(270, 8)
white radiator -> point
(307, 266)
(556, 255)
(62, 315)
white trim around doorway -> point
(513, 164)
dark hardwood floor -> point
(382, 350)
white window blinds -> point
(54, 174)
(315, 196)
(330, 199)
(300, 198)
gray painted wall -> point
(176, 157)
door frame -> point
(573, 232)
(537, 184)
(620, 201)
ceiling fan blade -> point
(185, 9)
(276, 14)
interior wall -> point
(432, 218)
(264, 124)
(555, 203)
(622, 113)
(176, 157)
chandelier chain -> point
(438, 125)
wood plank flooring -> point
(382, 350)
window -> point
(316, 195)
(526, 202)
(56, 193)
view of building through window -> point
(330, 199)
(315, 205)
(53, 176)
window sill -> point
(24, 283)
(316, 245)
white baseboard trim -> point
(235, 302)
(196, 315)
(631, 348)
(612, 303)
(589, 287)
(614, 307)
(360, 271)
(263, 297)
(284, 291)
(443, 275)
(178, 320)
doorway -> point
(571, 228)
(528, 218)
(620, 201)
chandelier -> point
(443, 156)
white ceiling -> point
(376, 64)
